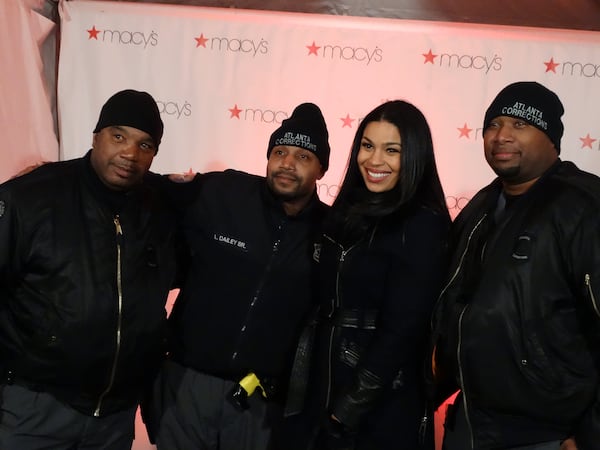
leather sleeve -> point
(359, 400)
(9, 237)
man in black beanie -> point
(517, 328)
(86, 265)
(247, 292)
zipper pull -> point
(118, 229)
(423, 428)
(117, 223)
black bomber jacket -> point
(84, 277)
(248, 287)
(519, 330)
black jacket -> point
(82, 307)
(248, 285)
(518, 330)
(376, 297)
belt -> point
(355, 318)
(234, 376)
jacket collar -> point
(114, 200)
(312, 207)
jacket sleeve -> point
(585, 257)
(180, 195)
(9, 239)
(417, 266)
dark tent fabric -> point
(565, 14)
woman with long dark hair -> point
(381, 263)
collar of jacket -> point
(548, 173)
(271, 199)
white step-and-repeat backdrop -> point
(225, 79)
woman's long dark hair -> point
(355, 208)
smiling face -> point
(292, 173)
(121, 156)
(518, 152)
(379, 156)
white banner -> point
(225, 79)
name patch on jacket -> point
(230, 241)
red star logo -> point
(235, 112)
(429, 57)
(347, 121)
(201, 41)
(465, 131)
(313, 49)
(551, 65)
(587, 141)
(93, 33)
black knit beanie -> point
(132, 109)
(533, 103)
(305, 128)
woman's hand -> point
(568, 444)
(335, 436)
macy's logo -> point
(347, 53)
(124, 37)
(327, 190)
(569, 68)
(587, 70)
(453, 60)
(257, 114)
(174, 108)
(233, 45)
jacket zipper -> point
(588, 283)
(329, 367)
(461, 376)
(459, 344)
(462, 257)
(119, 234)
(424, 419)
(259, 287)
(336, 302)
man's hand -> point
(569, 444)
(28, 169)
(182, 177)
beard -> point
(508, 173)
(284, 195)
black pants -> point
(32, 420)
(457, 435)
(195, 413)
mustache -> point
(286, 174)
(125, 165)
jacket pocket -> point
(537, 365)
